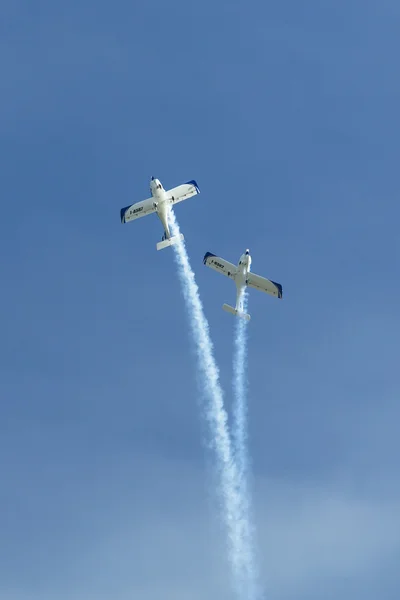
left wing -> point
(264, 285)
(184, 191)
(135, 211)
(219, 264)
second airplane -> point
(243, 278)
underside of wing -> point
(264, 285)
(184, 191)
(219, 264)
(135, 211)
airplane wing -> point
(135, 211)
(220, 265)
(184, 191)
(264, 285)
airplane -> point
(243, 278)
(159, 203)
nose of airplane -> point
(247, 251)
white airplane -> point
(159, 203)
(243, 278)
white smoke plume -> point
(240, 433)
(233, 505)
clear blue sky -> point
(287, 115)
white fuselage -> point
(161, 204)
(243, 269)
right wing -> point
(184, 191)
(264, 285)
(220, 265)
(135, 211)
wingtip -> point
(207, 254)
(280, 290)
(194, 182)
(122, 213)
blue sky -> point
(287, 116)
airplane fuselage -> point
(243, 269)
(161, 204)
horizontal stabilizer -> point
(170, 241)
(235, 312)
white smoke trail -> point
(216, 417)
(240, 429)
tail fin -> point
(235, 312)
(170, 241)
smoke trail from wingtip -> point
(216, 417)
(240, 427)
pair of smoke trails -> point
(231, 472)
